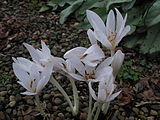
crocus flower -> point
(32, 80)
(117, 62)
(105, 89)
(91, 56)
(89, 74)
(91, 36)
(111, 33)
(42, 56)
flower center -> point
(89, 76)
(112, 38)
(31, 85)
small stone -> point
(150, 118)
(141, 113)
(3, 93)
(14, 112)
(20, 118)
(121, 109)
(123, 114)
(12, 103)
(121, 117)
(12, 98)
(49, 105)
(30, 102)
(83, 116)
(1, 99)
(8, 110)
(18, 97)
(153, 112)
(55, 108)
(136, 110)
(115, 107)
(155, 107)
(27, 117)
(2, 116)
(68, 109)
(144, 109)
(61, 115)
(131, 118)
(57, 101)
(46, 96)
(142, 117)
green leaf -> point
(53, 5)
(129, 5)
(44, 8)
(152, 43)
(153, 15)
(111, 2)
(66, 12)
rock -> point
(61, 115)
(49, 105)
(30, 102)
(1, 99)
(142, 117)
(83, 116)
(150, 118)
(136, 110)
(123, 114)
(131, 118)
(68, 109)
(153, 112)
(121, 117)
(46, 96)
(3, 93)
(27, 117)
(12, 103)
(57, 101)
(144, 109)
(12, 98)
(14, 112)
(141, 113)
(20, 118)
(18, 97)
(55, 108)
(8, 111)
(155, 107)
(2, 116)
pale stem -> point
(105, 107)
(112, 52)
(98, 111)
(39, 105)
(94, 107)
(90, 107)
(55, 83)
(75, 94)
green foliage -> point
(130, 72)
(5, 78)
(144, 18)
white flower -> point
(111, 33)
(105, 89)
(92, 37)
(91, 56)
(117, 62)
(89, 74)
(42, 56)
(33, 79)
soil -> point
(21, 22)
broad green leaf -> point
(152, 42)
(129, 5)
(44, 8)
(110, 2)
(53, 5)
(153, 15)
(66, 12)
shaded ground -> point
(20, 22)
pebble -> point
(12, 103)
(14, 112)
(3, 93)
(57, 101)
(150, 118)
(153, 112)
(144, 109)
(142, 117)
(2, 116)
(83, 116)
(61, 115)
(30, 102)
(1, 99)
(136, 110)
(131, 118)
(55, 108)
(46, 96)
(49, 105)
(12, 98)
(27, 117)
(68, 109)
(18, 97)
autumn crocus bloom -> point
(33, 80)
(111, 33)
(106, 88)
(91, 56)
(42, 56)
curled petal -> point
(92, 37)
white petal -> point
(119, 20)
(101, 37)
(76, 76)
(25, 85)
(33, 52)
(89, 69)
(104, 71)
(28, 93)
(20, 73)
(113, 96)
(95, 21)
(46, 51)
(105, 63)
(92, 37)
(117, 61)
(58, 63)
(70, 67)
(110, 25)
(75, 52)
(42, 82)
(101, 95)
(94, 55)
(92, 92)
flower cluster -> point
(83, 64)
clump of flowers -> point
(83, 64)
